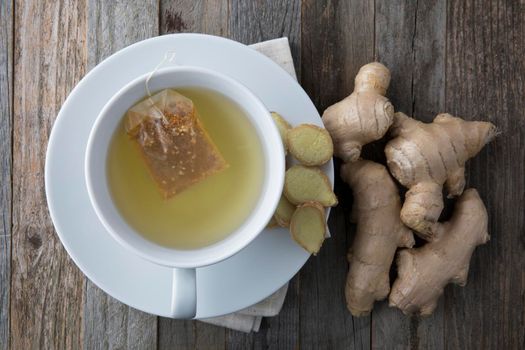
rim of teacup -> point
(96, 167)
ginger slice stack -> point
(307, 190)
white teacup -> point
(184, 262)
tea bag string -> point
(169, 57)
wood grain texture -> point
(463, 57)
(209, 17)
(254, 21)
(224, 18)
(283, 331)
(395, 25)
(337, 39)
(107, 323)
(46, 298)
(212, 18)
(6, 109)
(485, 80)
(201, 16)
(113, 25)
(179, 334)
(251, 22)
(176, 334)
(410, 40)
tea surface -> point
(209, 210)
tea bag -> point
(175, 146)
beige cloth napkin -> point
(249, 319)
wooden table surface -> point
(463, 57)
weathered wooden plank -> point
(212, 17)
(209, 337)
(49, 59)
(279, 332)
(6, 110)
(337, 39)
(240, 341)
(251, 22)
(201, 16)
(255, 21)
(282, 331)
(410, 40)
(107, 323)
(113, 25)
(429, 49)
(485, 79)
(395, 35)
(176, 334)
(209, 17)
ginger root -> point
(307, 187)
(283, 213)
(362, 117)
(310, 144)
(308, 226)
(272, 223)
(304, 184)
(424, 272)
(424, 157)
(283, 126)
(379, 233)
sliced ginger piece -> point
(310, 144)
(308, 226)
(283, 126)
(272, 223)
(303, 184)
(283, 213)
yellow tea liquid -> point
(207, 211)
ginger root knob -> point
(362, 117)
(423, 157)
(424, 272)
(379, 233)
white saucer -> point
(236, 283)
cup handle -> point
(184, 293)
